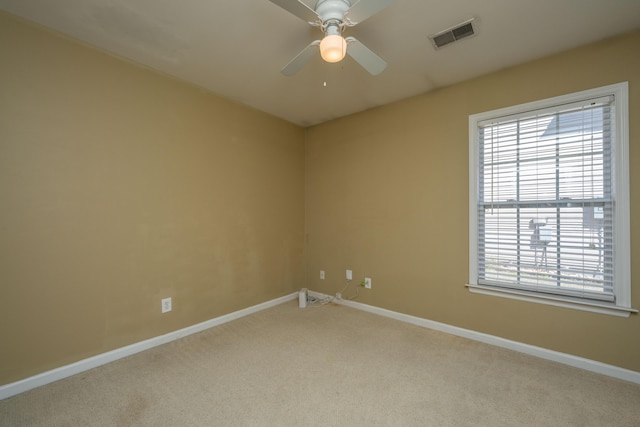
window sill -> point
(559, 301)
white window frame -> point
(620, 163)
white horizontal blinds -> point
(545, 204)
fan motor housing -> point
(332, 10)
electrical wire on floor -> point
(318, 302)
(313, 301)
(352, 297)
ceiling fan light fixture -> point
(332, 17)
(333, 48)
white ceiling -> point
(236, 48)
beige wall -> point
(120, 187)
(387, 196)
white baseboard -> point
(26, 384)
(543, 353)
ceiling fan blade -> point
(299, 9)
(365, 57)
(302, 58)
(364, 9)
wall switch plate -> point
(166, 305)
(349, 275)
(321, 274)
(367, 282)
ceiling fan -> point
(332, 16)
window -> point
(549, 201)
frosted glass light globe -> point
(333, 48)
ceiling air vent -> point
(453, 34)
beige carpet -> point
(327, 366)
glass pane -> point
(545, 218)
(547, 249)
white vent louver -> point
(450, 35)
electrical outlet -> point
(367, 282)
(338, 295)
(349, 275)
(321, 274)
(166, 305)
